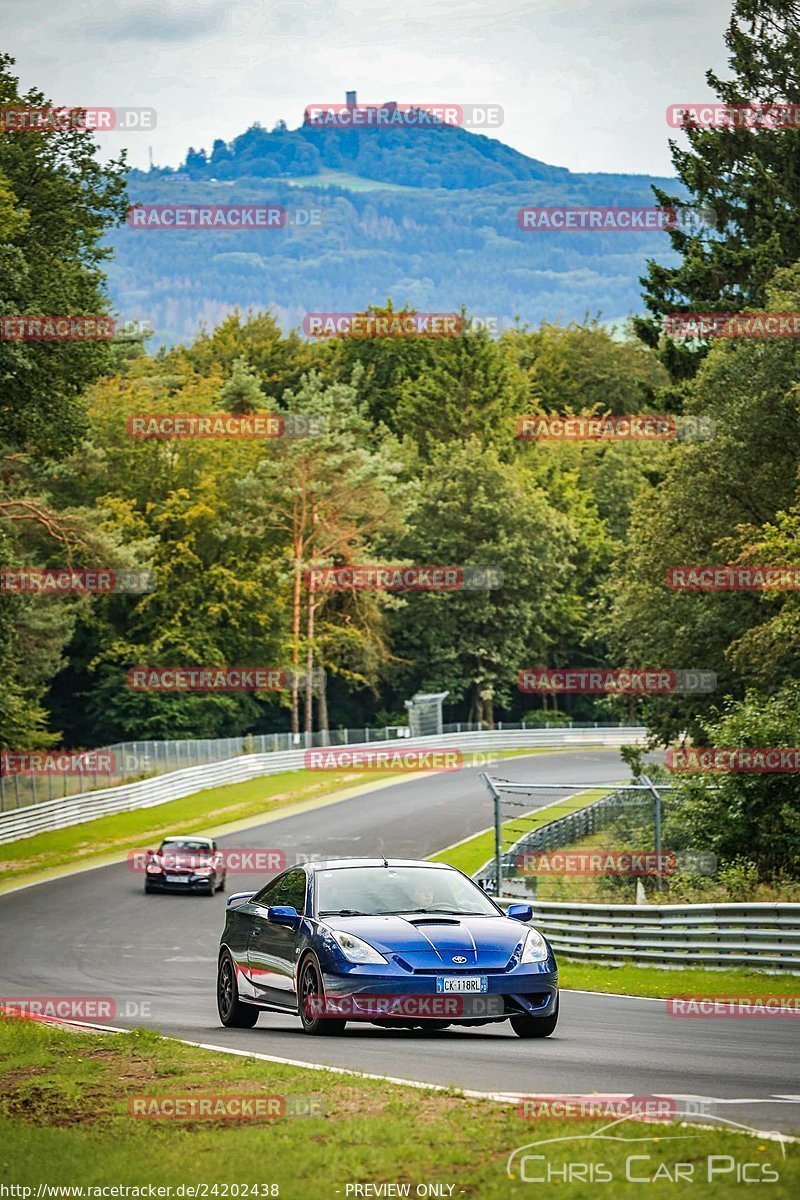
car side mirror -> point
(520, 912)
(283, 914)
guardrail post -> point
(657, 816)
(498, 834)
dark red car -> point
(185, 864)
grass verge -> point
(64, 1120)
(630, 980)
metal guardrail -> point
(147, 793)
(761, 936)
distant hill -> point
(424, 216)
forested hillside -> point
(428, 217)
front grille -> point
(469, 969)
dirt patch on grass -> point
(39, 1096)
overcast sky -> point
(583, 85)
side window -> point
(291, 889)
(265, 895)
(287, 889)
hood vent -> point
(433, 921)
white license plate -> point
(462, 983)
(177, 878)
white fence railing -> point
(760, 936)
(147, 793)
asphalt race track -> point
(97, 934)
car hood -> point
(431, 942)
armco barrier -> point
(147, 793)
(762, 936)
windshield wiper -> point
(344, 912)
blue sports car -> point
(400, 944)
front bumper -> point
(196, 883)
(530, 990)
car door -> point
(272, 949)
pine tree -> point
(749, 177)
(242, 392)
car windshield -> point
(378, 891)
(171, 847)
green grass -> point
(64, 1121)
(469, 856)
(630, 980)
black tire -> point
(535, 1027)
(309, 981)
(221, 887)
(148, 891)
(232, 1013)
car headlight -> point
(535, 948)
(153, 869)
(203, 870)
(355, 950)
